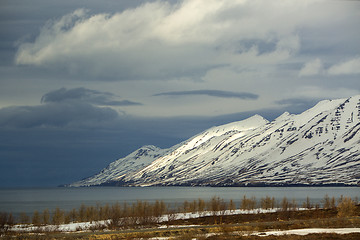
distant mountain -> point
(135, 161)
(320, 146)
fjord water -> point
(28, 200)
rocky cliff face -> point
(320, 146)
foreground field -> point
(310, 224)
(216, 221)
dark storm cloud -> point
(66, 107)
(75, 93)
(212, 93)
(56, 115)
(85, 95)
(122, 103)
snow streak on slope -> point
(319, 146)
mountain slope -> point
(319, 146)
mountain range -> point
(318, 147)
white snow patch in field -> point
(72, 227)
(188, 215)
(306, 231)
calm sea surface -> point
(31, 199)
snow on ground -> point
(72, 227)
(184, 216)
(302, 232)
(306, 231)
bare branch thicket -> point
(6, 221)
(267, 202)
(248, 203)
(307, 204)
(346, 208)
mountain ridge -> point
(320, 146)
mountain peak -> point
(243, 125)
(283, 117)
(257, 118)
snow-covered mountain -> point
(320, 146)
(116, 170)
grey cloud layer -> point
(62, 114)
(79, 107)
(85, 95)
(212, 93)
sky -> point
(83, 83)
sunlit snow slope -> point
(320, 146)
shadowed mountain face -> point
(320, 146)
